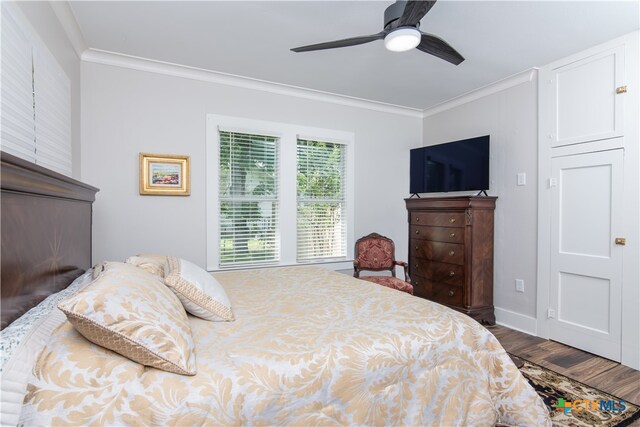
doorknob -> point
(621, 241)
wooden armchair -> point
(377, 253)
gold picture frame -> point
(164, 175)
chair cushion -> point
(374, 254)
(390, 282)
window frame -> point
(288, 135)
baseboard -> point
(517, 321)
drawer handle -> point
(452, 220)
(417, 231)
(452, 273)
(416, 248)
(452, 253)
(416, 283)
(452, 234)
(418, 219)
(417, 266)
(451, 293)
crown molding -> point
(500, 85)
(63, 12)
(166, 68)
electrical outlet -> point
(519, 285)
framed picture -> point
(164, 175)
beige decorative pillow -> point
(152, 263)
(130, 311)
(97, 270)
(200, 294)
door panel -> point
(586, 264)
(593, 312)
(578, 202)
(584, 98)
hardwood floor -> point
(587, 368)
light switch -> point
(519, 285)
(522, 178)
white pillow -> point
(200, 294)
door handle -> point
(621, 241)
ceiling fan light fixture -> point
(402, 39)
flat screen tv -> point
(455, 166)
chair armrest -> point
(406, 270)
(356, 269)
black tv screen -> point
(455, 166)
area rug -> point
(574, 404)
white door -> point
(586, 263)
(585, 99)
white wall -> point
(510, 117)
(126, 111)
(42, 18)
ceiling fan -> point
(401, 33)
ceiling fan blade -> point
(437, 47)
(414, 11)
(353, 41)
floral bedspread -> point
(308, 346)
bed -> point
(307, 346)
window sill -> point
(330, 265)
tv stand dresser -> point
(451, 252)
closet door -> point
(586, 262)
(585, 99)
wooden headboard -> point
(46, 233)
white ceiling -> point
(253, 38)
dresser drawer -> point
(451, 274)
(451, 253)
(421, 286)
(438, 234)
(447, 294)
(438, 219)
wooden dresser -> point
(451, 252)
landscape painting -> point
(164, 175)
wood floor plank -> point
(514, 341)
(586, 370)
(570, 358)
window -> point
(248, 199)
(36, 97)
(278, 194)
(321, 201)
(18, 130)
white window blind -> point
(321, 201)
(52, 94)
(36, 97)
(248, 197)
(18, 134)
